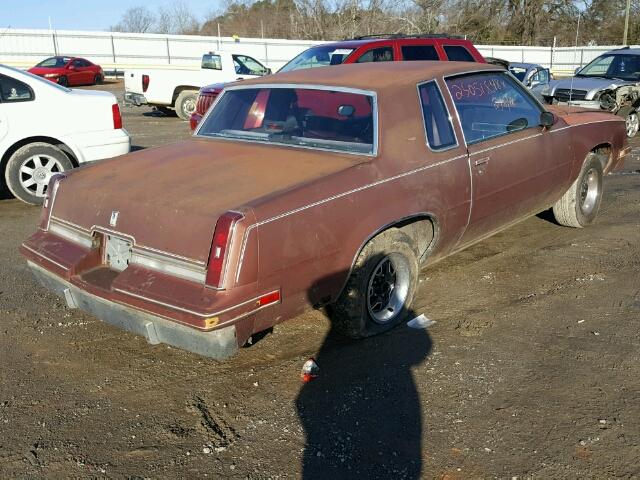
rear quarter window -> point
(419, 52)
(12, 90)
(437, 122)
(457, 53)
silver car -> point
(535, 77)
(611, 82)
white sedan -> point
(47, 129)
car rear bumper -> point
(135, 99)
(98, 145)
(218, 344)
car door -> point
(248, 67)
(75, 74)
(4, 119)
(539, 80)
(87, 71)
(517, 167)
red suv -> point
(372, 48)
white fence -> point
(24, 48)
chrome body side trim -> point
(97, 228)
(71, 234)
(334, 197)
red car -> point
(372, 48)
(69, 71)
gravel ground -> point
(531, 370)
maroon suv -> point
(372, 48)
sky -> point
(82, 14)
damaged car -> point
(611, 83)
(319, 188)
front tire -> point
(63, 81)
(186, 103)
(579, 206)
(381, 287)
(30, 168)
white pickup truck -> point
(174, 89)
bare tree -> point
(135, 19)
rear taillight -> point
(117, 118)
(145, 82)
(220, 247)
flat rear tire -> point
(380, 288)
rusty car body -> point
(368, 173)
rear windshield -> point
(302, 117)
(317, 57)
(54, 62)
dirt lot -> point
(532, 370)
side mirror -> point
(268, 71)
(577, 70)
(71, 67)
(547, 119)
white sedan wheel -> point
(30, 168)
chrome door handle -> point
(481, 161)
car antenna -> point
(575, 52)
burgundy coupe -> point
(320, 187)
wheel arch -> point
(423, 228)
(68, 151)
(179, 89)
(606, 151)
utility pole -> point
(626, 23)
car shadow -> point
(548, 216)
(155, 113)
(362, 415)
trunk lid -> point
(169, 198)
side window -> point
(84, 63)
(456, 53)
(12, 90)
(436, 118)
(541, 76)
(492, 104)
(248, 66)
(78, 63)
(382, 54)
(419, 52)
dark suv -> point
(372, 48)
